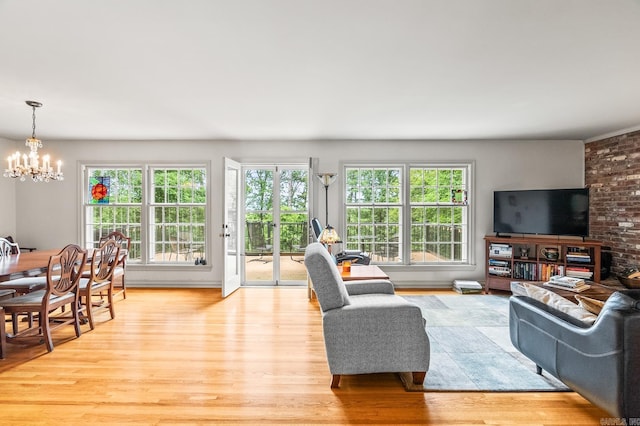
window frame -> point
(146, 204)
(405, 247)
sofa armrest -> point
(599, 362)
(547, 336)
(355, 288)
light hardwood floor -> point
(257, 357)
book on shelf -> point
(525, 271)
(500, 270)
(500, 250)
(576, 289)
(578, 258)
(503, 245)
(547, 270)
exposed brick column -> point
(612, 171)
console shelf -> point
(533, 258)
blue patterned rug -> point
(471, 349)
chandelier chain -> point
(33, 118)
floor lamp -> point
(329, 235)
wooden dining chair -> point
(4, 294)
(7, 248)
(121, 268)
(20, 284)
(100, 282)
(63, 276)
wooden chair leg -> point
(14, 323)
(3, 335)
(46, 330)
(418, 377)
(89, 309)
(76, 318)
(124, 288)
(112, 310)
(335, 381)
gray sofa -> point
(367, 327)
(601, 362)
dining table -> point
(25, 264)
(28, 264)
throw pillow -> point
(518, 288)
(558, 302)
(592, 305)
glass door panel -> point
(258, 185)
(294, 223)
(276, 224)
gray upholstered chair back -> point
(326, 279)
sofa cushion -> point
(558, 302)
(624, 301)
(518, 288)
(592, 305)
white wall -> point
(7, 193)
(48, 214)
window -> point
(114, 202)
(177, 214)
(408, 213)
(374, 211)
(439, 214)
(165, 217)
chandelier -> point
(23, 165)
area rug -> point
(471, 349)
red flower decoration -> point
(99, 191)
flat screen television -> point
(542, 211)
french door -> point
(276, 223)
(230, 232)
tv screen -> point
(542, 211)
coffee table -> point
(363, 272)
(597, 291)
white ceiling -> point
(315, 69)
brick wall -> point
(612, 171)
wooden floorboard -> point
(187, 356)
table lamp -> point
(328, 237)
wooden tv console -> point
(505, 261)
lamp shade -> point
(327, 178)
(329, 236)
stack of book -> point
(577, 285)
(577, 257)
(500, 267)
(579, 272)
(500, 250)
(467, 287)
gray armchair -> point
(601, 362)
(367, 327)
